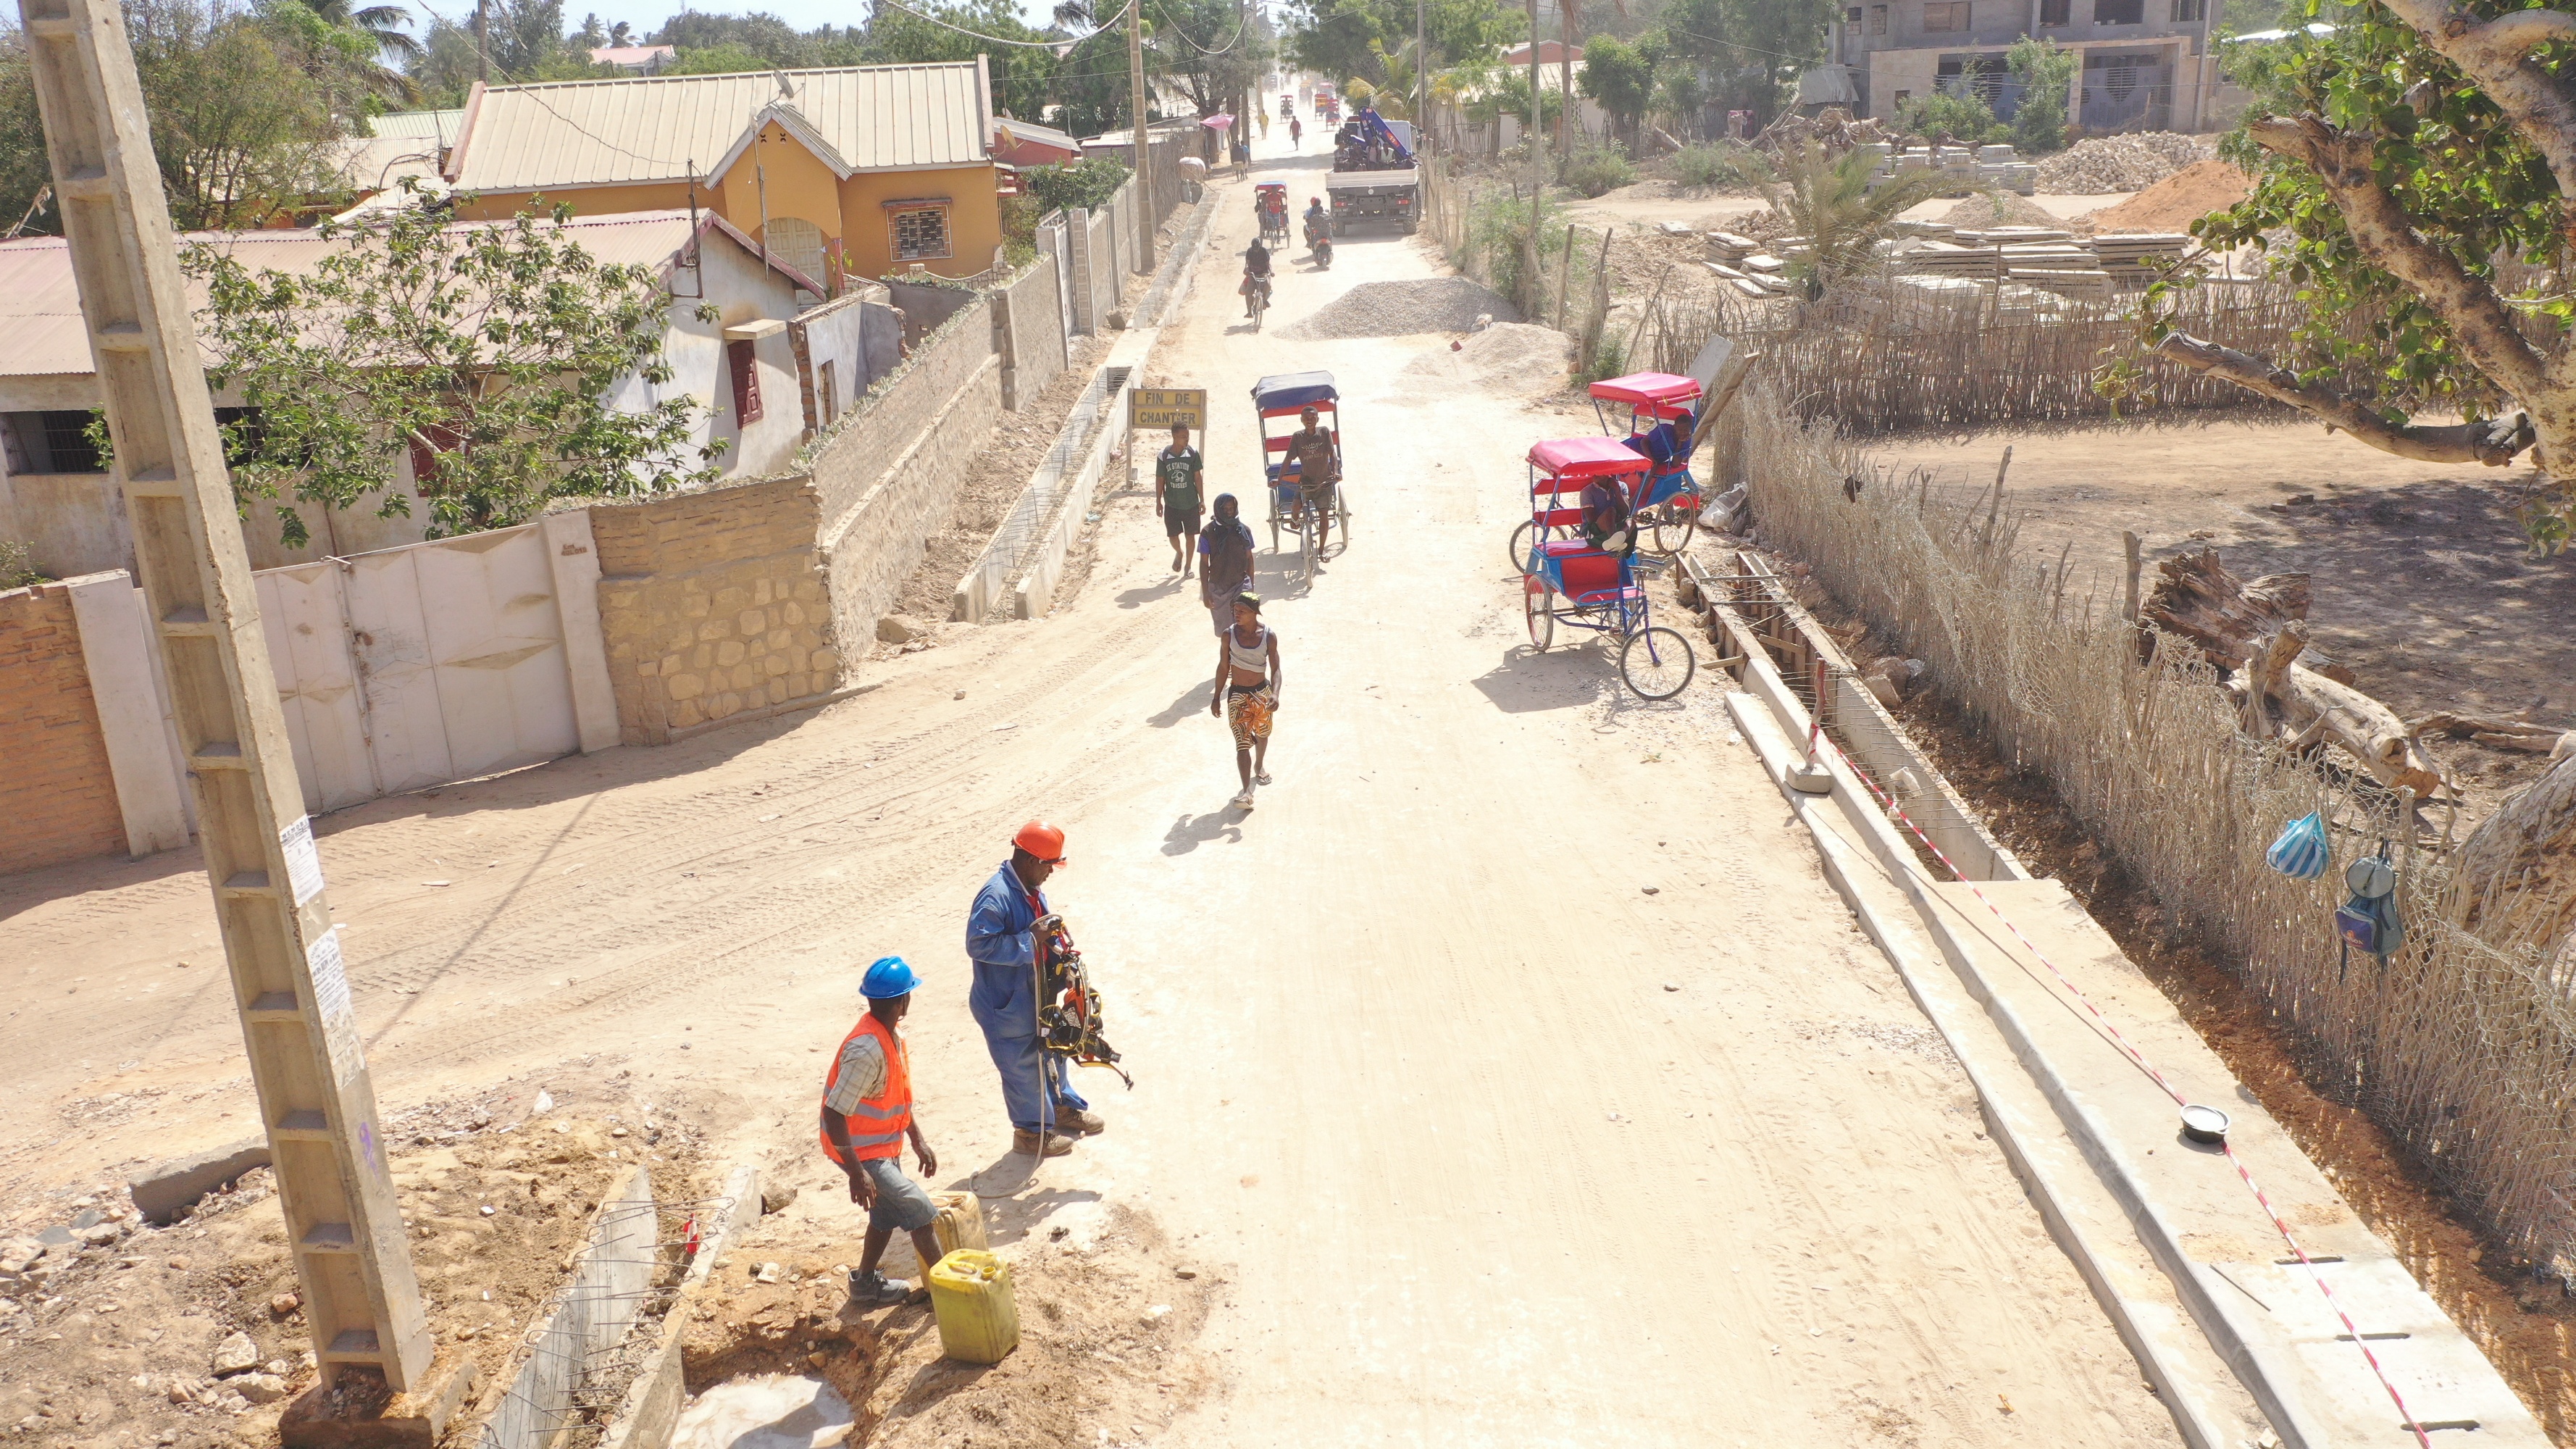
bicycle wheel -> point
(1521, 550)
(1674, 523)
(1540, 618)
(1657, 662)
(1342, 514)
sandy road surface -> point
(1490, 1144)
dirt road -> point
(1511, 1067)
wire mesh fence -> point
(2460, 1051)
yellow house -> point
(853, 171)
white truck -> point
(1374, 176)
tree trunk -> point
(2517, 870)
(2498, 732)
(2282, 699)
(2195, 596)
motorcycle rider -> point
(1319, 222)
(1256, 273)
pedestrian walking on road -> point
(1046, 1112)
(867, 1116)
(1247, 690)
(1176, 495)
(1296, 134)
(1225, 561)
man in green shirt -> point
(1176, 495)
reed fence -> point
(2463, 1053)
(1903, 368)
(1511, 236)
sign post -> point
(1158, 408)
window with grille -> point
(2056, 12)
(744, 365)
(2190, 11)
(2119, 12)
(1952, 15)
(921, 234)
(1878, 20)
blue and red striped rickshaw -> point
(1295, 502)
(1661, 412)
(1591, 578)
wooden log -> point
(2499, 732)
(2517, 870)
(2285, 700)
(2195, 596)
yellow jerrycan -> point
(970, 1291)
(960, 1223)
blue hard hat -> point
(888, 977)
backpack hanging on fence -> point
(2369, 921)
(2300, 852)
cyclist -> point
(1256, 274)
(1318, 465)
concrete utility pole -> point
(1421, 77)
(1535, 139)
(308, 1068)
(1144, 137)
(482, 48)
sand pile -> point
(2133, 162)
(2174, 203)
(2000, 208)
(1508, 357)
(1402, 309)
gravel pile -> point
(2119, 163)
(1508, 357)
(1402, 309)
(1999, 208)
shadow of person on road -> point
(1139, 597)
(1193, 700)
(1189, 832)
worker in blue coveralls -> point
(1046, 1113)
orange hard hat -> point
(1041, 840)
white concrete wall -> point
(133, 718)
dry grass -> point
(2457, 1050)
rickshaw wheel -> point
(1673, 528)
(1657, 662)
(1521, 550)
(1342, 513)
(1540, 618)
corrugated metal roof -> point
(41, 332)
(661, 128)
(425, 125)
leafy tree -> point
(389, 26)
(591, 36)
(1959, 116)
(775, 41)
(1679, 95)
(1620, 76)
(2045, 72)
(2418, 166)
(1022, 77)
(1345, 38)
(730, 57)
(1086, 183)
(1209, 49)
(493, 349)
(1831, 202)
(1755, 48)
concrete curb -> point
(2311, 1386)
(592, 1313)
(653, 1403)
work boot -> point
(1027, 1144)
(1080, 1122)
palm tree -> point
(389, 26)
(1844, 218)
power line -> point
(1239, 23)
(998, 40)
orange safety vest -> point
(878, 1123)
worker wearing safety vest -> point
(867, 1115)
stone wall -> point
(887, 476)
(712, 605)
(57, 792)
(1028, 332)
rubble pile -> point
(1833, 127)
(2132, 162)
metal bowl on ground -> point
(2204, 1124)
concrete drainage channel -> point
(1016, 576)
(2229, 1328)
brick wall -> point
(56, 792)
(712, 604)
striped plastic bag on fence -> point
(2300, 852)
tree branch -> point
(2492, 442)
(2495, 55)
(2480, 322)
